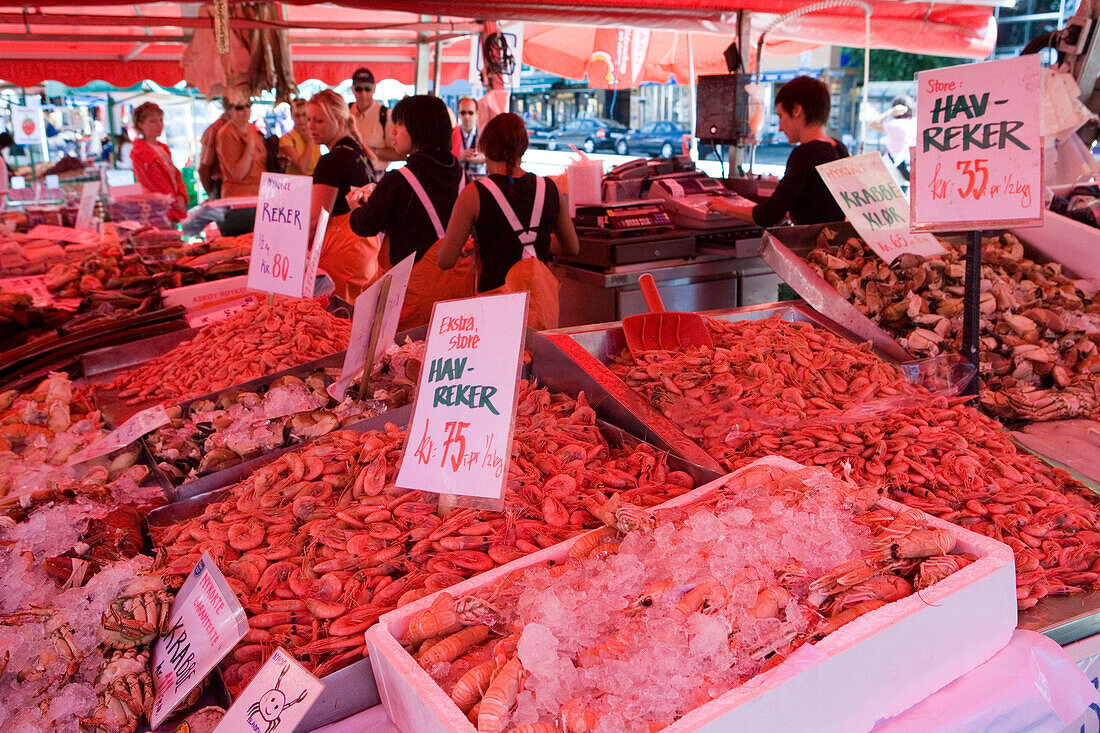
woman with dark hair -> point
(412, 204)
(513, 215)
(803, 108)
(899, 129)
(152, 160)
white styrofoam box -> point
(874, 667)
(1066, 241)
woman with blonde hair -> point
(296, 147)
(351, 261)
(241, 152)
(152, 160)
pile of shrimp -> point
(778, 388)
(319, 543)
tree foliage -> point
(889, 65)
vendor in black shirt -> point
(351, 261)
(803, 108)
(411, 205)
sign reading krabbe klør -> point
(459, 440)
(876, 206)
(281, 236)
(978, 158)
(205, 623)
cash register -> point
(687, 196)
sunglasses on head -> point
(367, 88)
(467, 112)
(239, 107)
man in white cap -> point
(371, 117)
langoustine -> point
(697, 600)
(319, 543)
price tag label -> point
(88, 195)
(63, 234)
(978, 159)
(460, 437)
(309, 281)
(138, 425)
(362, 322)
(876, 206)
(29, 125)
(205, 623)
(277, 698)
(18, 183)
(53, 181)
(281, 235)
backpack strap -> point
(527, 235)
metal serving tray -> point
(786, 249)
(352, 689)
(103, 365)
(235, 473)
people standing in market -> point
(350, 260)
(210, 172)
(412, 204)
(513, 214)
(803, 108)
(464, 139)
(372, 120)
(899, 129)
(152, 160)
(297, 147)
(241, 152)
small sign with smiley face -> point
(276, 699)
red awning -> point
(89, 44)
(136, 42)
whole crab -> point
(138, 616)
(125, 693)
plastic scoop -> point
(661, 329)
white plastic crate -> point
(873, 668)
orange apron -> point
(350, 260)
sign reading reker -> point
(459, 440)
(281, 236)
(978, 158)
(876, 206)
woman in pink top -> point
(153, 167)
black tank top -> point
(498, 246)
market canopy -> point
(125, 44)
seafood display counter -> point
(1049, 529)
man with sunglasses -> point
(464, 139)
(371, 116)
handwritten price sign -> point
(281, 236)
(460, 436)
(978, 158)
(876, 206)
(205, 623)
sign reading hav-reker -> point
(459, 440)
(978, 158)
(281, 236)
(876, 206)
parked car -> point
(653, 138)
(587, 133)
(537, 133)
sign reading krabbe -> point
(281, 236)
(978, 158)
(460, 436)
(205, 623)
(876, 206)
